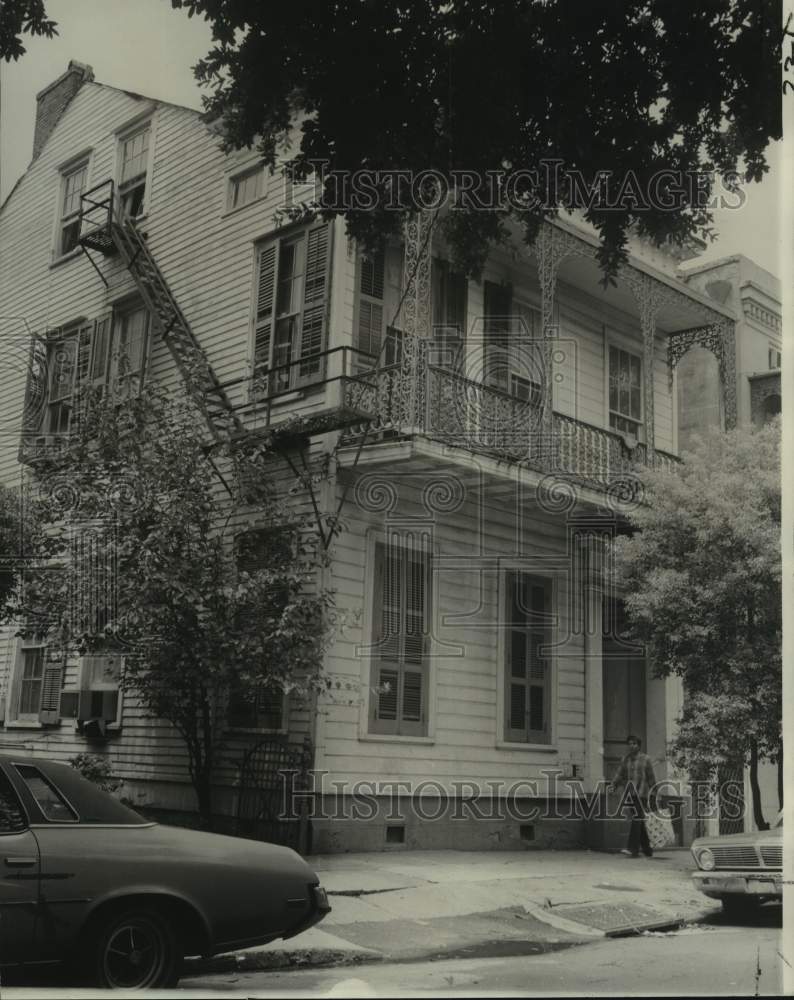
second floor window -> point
(132, 175)
(73, 184)
(625, 391)
(512, 358)
(293, 282)
(110, 351)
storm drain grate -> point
(618, 918)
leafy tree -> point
(633, 88)
(22, 17)
(11, 533)
(138, 551)
(702, 572)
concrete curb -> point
(246, 961)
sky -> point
(146, 46)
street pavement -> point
(716, 958)
(403, 906)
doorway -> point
(623, 671)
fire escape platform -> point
(296, 433)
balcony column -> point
(416, 319)
(551, 248)
(650, 295)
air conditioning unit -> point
(98, 697)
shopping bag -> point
(659, 824)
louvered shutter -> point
(36, 387)
(100, 358)
(400, 615)
(263, 325)
(538, 716)
(315, 304)
(528, 687)
(497, 307)
(52, 681)
(449, 315)
(369, 324)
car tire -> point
(739, 906)
(135, 949)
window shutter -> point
(412, 696)
(36, 387)
(528, 682)
(369, 325)
(497, 307)
(101, 354)
(265, 300)
(49, 711)
(315, 293)
(389, 684)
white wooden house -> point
(481, 437)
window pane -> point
(12, 819)
(73, 186)
(48, 799)
(518, 653)
(518, 708)
(536, 708)
(134, 156)
(635, 404)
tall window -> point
(513, 354)
(39, 673)
(132, 176)
(378, 300)
(528, 674)
(72, 186)
(94, 354)
(293, 283)
(774, 359)
(77, 357)
(625, 391)
(401, 617)
(130, 351)
(449, 314)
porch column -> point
(416, 318)
(593, 664)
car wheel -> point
(134, 950)
(737, 906)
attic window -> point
(246, 187)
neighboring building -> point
(479, 439)
(753, 295)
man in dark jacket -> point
(635, 774)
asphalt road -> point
(717, 958)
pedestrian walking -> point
(635, 775)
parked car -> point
(88, 882)
(741, 869)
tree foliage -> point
(11, 536)
(638, 86)
(22, 17)
(702, 575)
(135, 502)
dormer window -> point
(132, 174)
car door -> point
(19, 879)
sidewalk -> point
(411, 905)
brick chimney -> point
(54, 99)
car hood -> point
(739, 839)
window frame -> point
(639, 429)
(116, 378)
(125, 188)
(71, 217)
(264, 383)
(399, 728)
(50, 684)
(243, 174)
(507, 735)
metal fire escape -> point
(105, 230)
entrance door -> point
(623, 688)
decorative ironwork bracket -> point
(720, 339)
